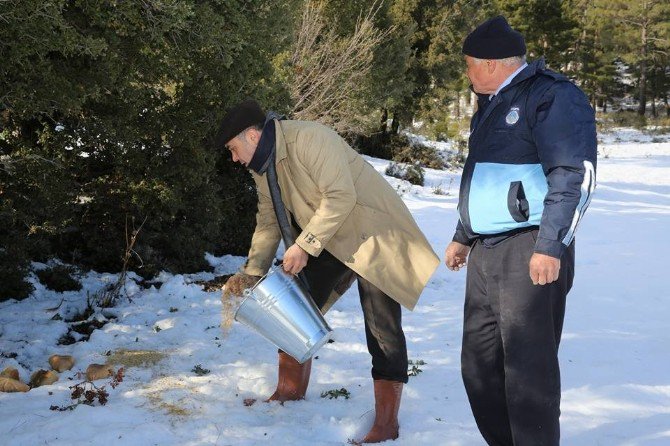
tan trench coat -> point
(345, 207)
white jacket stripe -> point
(588, 186)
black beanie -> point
(238, 118)
(494, 39)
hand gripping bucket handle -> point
(280, 310)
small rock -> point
(61, 363)
(98, 371)
(12, 385)
(11, 372)
(43, 378)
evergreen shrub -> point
(59, 278)
(409, 172)
(108, 112)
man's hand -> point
(238, 283)
(456, 255)
(295, 259)
(543, 269)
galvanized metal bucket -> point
(279, 309)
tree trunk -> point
(653, 105)
(395, 124)
(656, 74)
(667, 106)
(457, 111)
(642, 108)
(385, 117)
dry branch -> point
(328, 71)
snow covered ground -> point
(615, 352)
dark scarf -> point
(266, 146)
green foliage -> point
(621, 49)
(377, 144)
(13, 271)
(199, 370)
(660, 125)
(642, 41)
(400, 149)
(441, 129)
(443, 60)
(388, 83)
(59, 278)
(414, 369)
(447, 127)
(107, 115)
(546, 26)
(415, 153)
(625, 118)
(417, 67)
(336, 393)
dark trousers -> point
(383, 317)
(511, 333)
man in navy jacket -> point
(526, 184)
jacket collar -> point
(486, 106)
(265, 148)
(531, 70)
(525, 74)
(510, 78)
(280, 154)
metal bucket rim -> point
(249, 292)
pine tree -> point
(546, 27)
(641, 36)
(593, 59)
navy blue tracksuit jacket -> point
(531, 162)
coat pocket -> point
(517, 202)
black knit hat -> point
(239, 117)
(494, 39)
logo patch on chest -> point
(512, 116)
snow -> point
(614, 354)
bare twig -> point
(110, 296)
(328, 70)
(56, 307)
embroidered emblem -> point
(513, 116)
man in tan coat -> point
(350, 224)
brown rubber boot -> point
(387, 404)
(293, 379)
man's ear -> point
(490, 66)
(253, 135)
